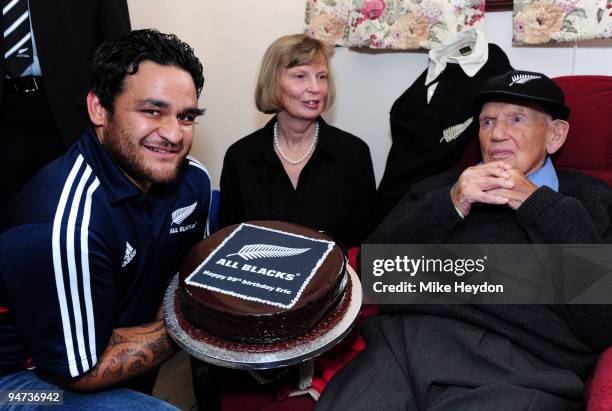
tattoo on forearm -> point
(124, 358)
(160, 347)
(113, 369)
(131, 351)
(135, 366)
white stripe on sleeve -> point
(91, 329)
(72, 268)
(57, 266)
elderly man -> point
(514, 357)
(88, 246)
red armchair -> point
(588, 149)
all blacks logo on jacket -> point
(179, 215)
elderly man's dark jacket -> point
(568, 336)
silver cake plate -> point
(298, 353)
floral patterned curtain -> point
(543, 21)
(391, 24)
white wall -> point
(231, 36)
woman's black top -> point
(335, 190)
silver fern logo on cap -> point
(179, 215)
(251, 251)
(523, 78)
(451, 133)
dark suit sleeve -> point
(364, 190)
(230, 204)
(113, 19)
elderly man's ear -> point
(559, 130)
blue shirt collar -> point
(545, 176)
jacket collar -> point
(115, 183)
(450, 52)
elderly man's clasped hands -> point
(491, 183)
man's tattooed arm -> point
(130, 352)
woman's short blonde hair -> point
(286, 52)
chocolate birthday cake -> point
(261, 282)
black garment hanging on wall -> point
(429, 138)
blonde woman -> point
(298, 168)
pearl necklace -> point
(306, 155)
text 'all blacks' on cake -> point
(262, 282)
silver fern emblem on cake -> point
(179, 215)
(251, 251)
(452, 132)
(523, 78)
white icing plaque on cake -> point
(261, 264)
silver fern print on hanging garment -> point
(523, 78)
(451, 133)
(251, 251)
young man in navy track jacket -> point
(89, 244)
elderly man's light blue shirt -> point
(545, 176)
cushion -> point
(588, 148)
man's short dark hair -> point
(114, 59)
